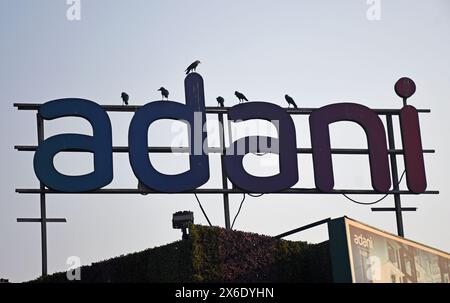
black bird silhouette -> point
(290, 101)
(125, 98)
(221, 101)
(164, 93)
(192, 67)
(240, 96)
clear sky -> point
(319, 52)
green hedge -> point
(214, 254)
(221, 255)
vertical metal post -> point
(40, 130)
(226, 201)
(398, 206)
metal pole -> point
(215, 109)
(398, 206)
(226, 201)
(40, 130)
(209, 191)
(294, 231)
(393, 209)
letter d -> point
(198, 174)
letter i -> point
(411, 139)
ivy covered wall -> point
(214, 254)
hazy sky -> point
(319, 52)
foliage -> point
(214, 254)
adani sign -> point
(193, 114)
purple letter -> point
(412, 147)
(319, 121)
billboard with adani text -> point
(364, 254)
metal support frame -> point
(225, 190)
(397, 199)
(43, 208)
(393, 209)
(294, 231)
(39, 220)
(127, 191)
(226, 201)
(40, 129)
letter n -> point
(319, 122)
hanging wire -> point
(260, 195)
(203, 211)
(376, 201)
(255, 196)
(239, 210)
(365, 203)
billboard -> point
(193, 113)
(364, 254)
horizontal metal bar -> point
(294, 231)
(223, 191)
(126, 149)
(211, 109)
(166, 149)
(38, 220)
(393, 209)
(309, 110)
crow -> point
(290, 101)
(192, 67)
(164, 93)
(240, 96)
(221, 101)
(125, 98)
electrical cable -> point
(376, 201)
(203, 211)
(259, 195)
(365, 203)
(255, 196)
(239, 210)
(240, 206)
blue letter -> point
(198, 174)
(285, 146)
(100, 144)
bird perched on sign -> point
(221, 101)
(290, 101)
(240, 96)
(164, 93)
(192, 67)
(125, 98)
